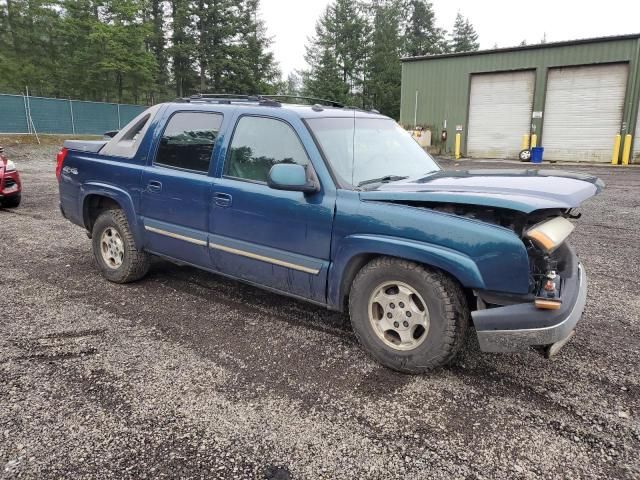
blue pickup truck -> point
(339, 207)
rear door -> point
(176, 188)
(274, 238)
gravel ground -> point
(189, 375)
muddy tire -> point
(115, 250)
(408, 317)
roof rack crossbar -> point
(266, 100)
(227, 98)
(324, 101)
(234, 96)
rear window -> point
(188, 140)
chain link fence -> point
(22, 114)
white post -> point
(26, 114)
(73, 123)
(33, 127)
(415, 112)
(119, 117)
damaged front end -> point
(546, 316)
(538, 206)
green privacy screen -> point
(13, 118)
(68, 117)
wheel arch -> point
(358, 250)
(97, 198)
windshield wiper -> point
(385, 179)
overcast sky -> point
(505, 23)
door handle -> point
(154, 186)
(222, 199)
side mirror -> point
(291, 177)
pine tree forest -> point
(149, 51)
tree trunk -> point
(119, 84)
(202, 47)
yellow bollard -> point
(457, 151)
(626, 151)
(525, 142)
(616, 150)
(534, 140)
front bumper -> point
(10, 184)
(516, 327)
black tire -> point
(12, 202)
(444, 299)
(135, 263)
(525, 155)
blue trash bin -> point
(536, 154)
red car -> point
(10, 186)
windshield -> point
(370, 150)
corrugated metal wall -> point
(58, 116)
(443, 82)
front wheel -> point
(115, 250)
(409, 317)
(11, 202)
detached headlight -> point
(550, 234)
(11, 167)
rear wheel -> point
(115, 250)
(12, 202)
(409, 317)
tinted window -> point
(260, 143)
(188, 140)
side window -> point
(258, 144)
(188, 140)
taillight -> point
(62, 154)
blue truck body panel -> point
(303, 244)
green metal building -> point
(572, 98)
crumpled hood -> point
(522, 190)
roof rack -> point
(265, 100)
(228, 98)
(322, 101)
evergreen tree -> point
(30, 46)
(254, 67)
(119, 42)
(292, 85)
(157, 46)
(182, 48)
(464, 37)
(422, 35)
(384, 68)
(217, 22)
(337, 53)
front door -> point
(177, 189)
(278, 239)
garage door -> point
(499, 113)
(583, 112)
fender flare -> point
(118, 195)
(457, 264)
